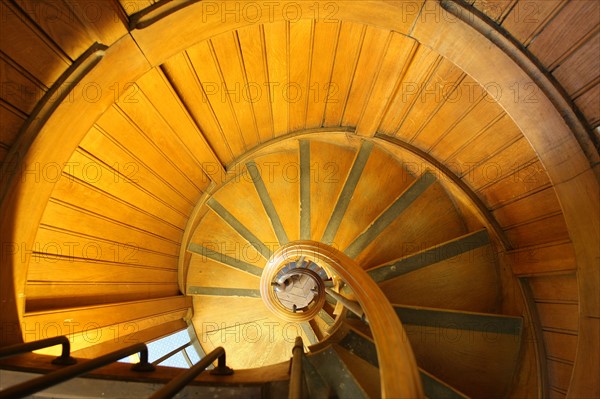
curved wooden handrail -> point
(399, 379)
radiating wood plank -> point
(528, 17)
(505, 163)
(467, 95)
(21, 39)
(93, 171)
(559, 374)
(281, 174)
(300, 58)
(482, 117)
(252, 44)
(423, 64)
(328, 177)
(352, 179)
(589, 104)
(80, 319)
(74, 245)
(246, 329)
(541, 231)
(105, 20)
(560, 346)
(277, 54)
(560, 288)
(266, 198)
(451, 281)
(581, 68)
(543, 259)
(407, 234)
(135, 165)
(559, 316)
(213, 276)
(534, 206)
(11, 120)
(571, 25)
(88, 269)
(229, 62)
(206, 67)
(182, 76)
(346, 57)
(164, 98)
(305, 178)
(67, 217)
(242, 230)
(522, 180)
(430, 256)
(373, 49)
(124, 333)
(494, 9)
(53, 295)
(380, 183)
(204, 254)
(469, 321)
(501, 134)
(461, 358)
(404, 201)
(148, 119)
(85, 196)
(322, 83)
(215, 234)
(399, 51)
(19, 89)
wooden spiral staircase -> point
(436, 265)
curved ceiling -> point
(167, 113)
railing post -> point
(296, 373)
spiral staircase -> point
(434, 263)
(410, 187)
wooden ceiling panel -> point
(232, 74)
(372, 51)
(180, 73)
(322, 88)
(277, 52)
(256, 90)
(297, 92)
(399, 52)
(346, 56)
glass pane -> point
(177, 360)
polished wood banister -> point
(398, 379)
(296, 372)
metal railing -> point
(69, 372)
(182, 380)
(64, 359)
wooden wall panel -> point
(323, 86)
(528, 17)
(572, 26)
(350, 40)
(559, 317)
(543, 259)
(135, 179)
(252, 47)
(589, 104)
(277, 55)
(582, 68)
(540, 231)
(79, 220)
(21, 38)
(301, 58)
(11, 120)
(18, 87)
(531, 207)
(182, 76)
(58, 20)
